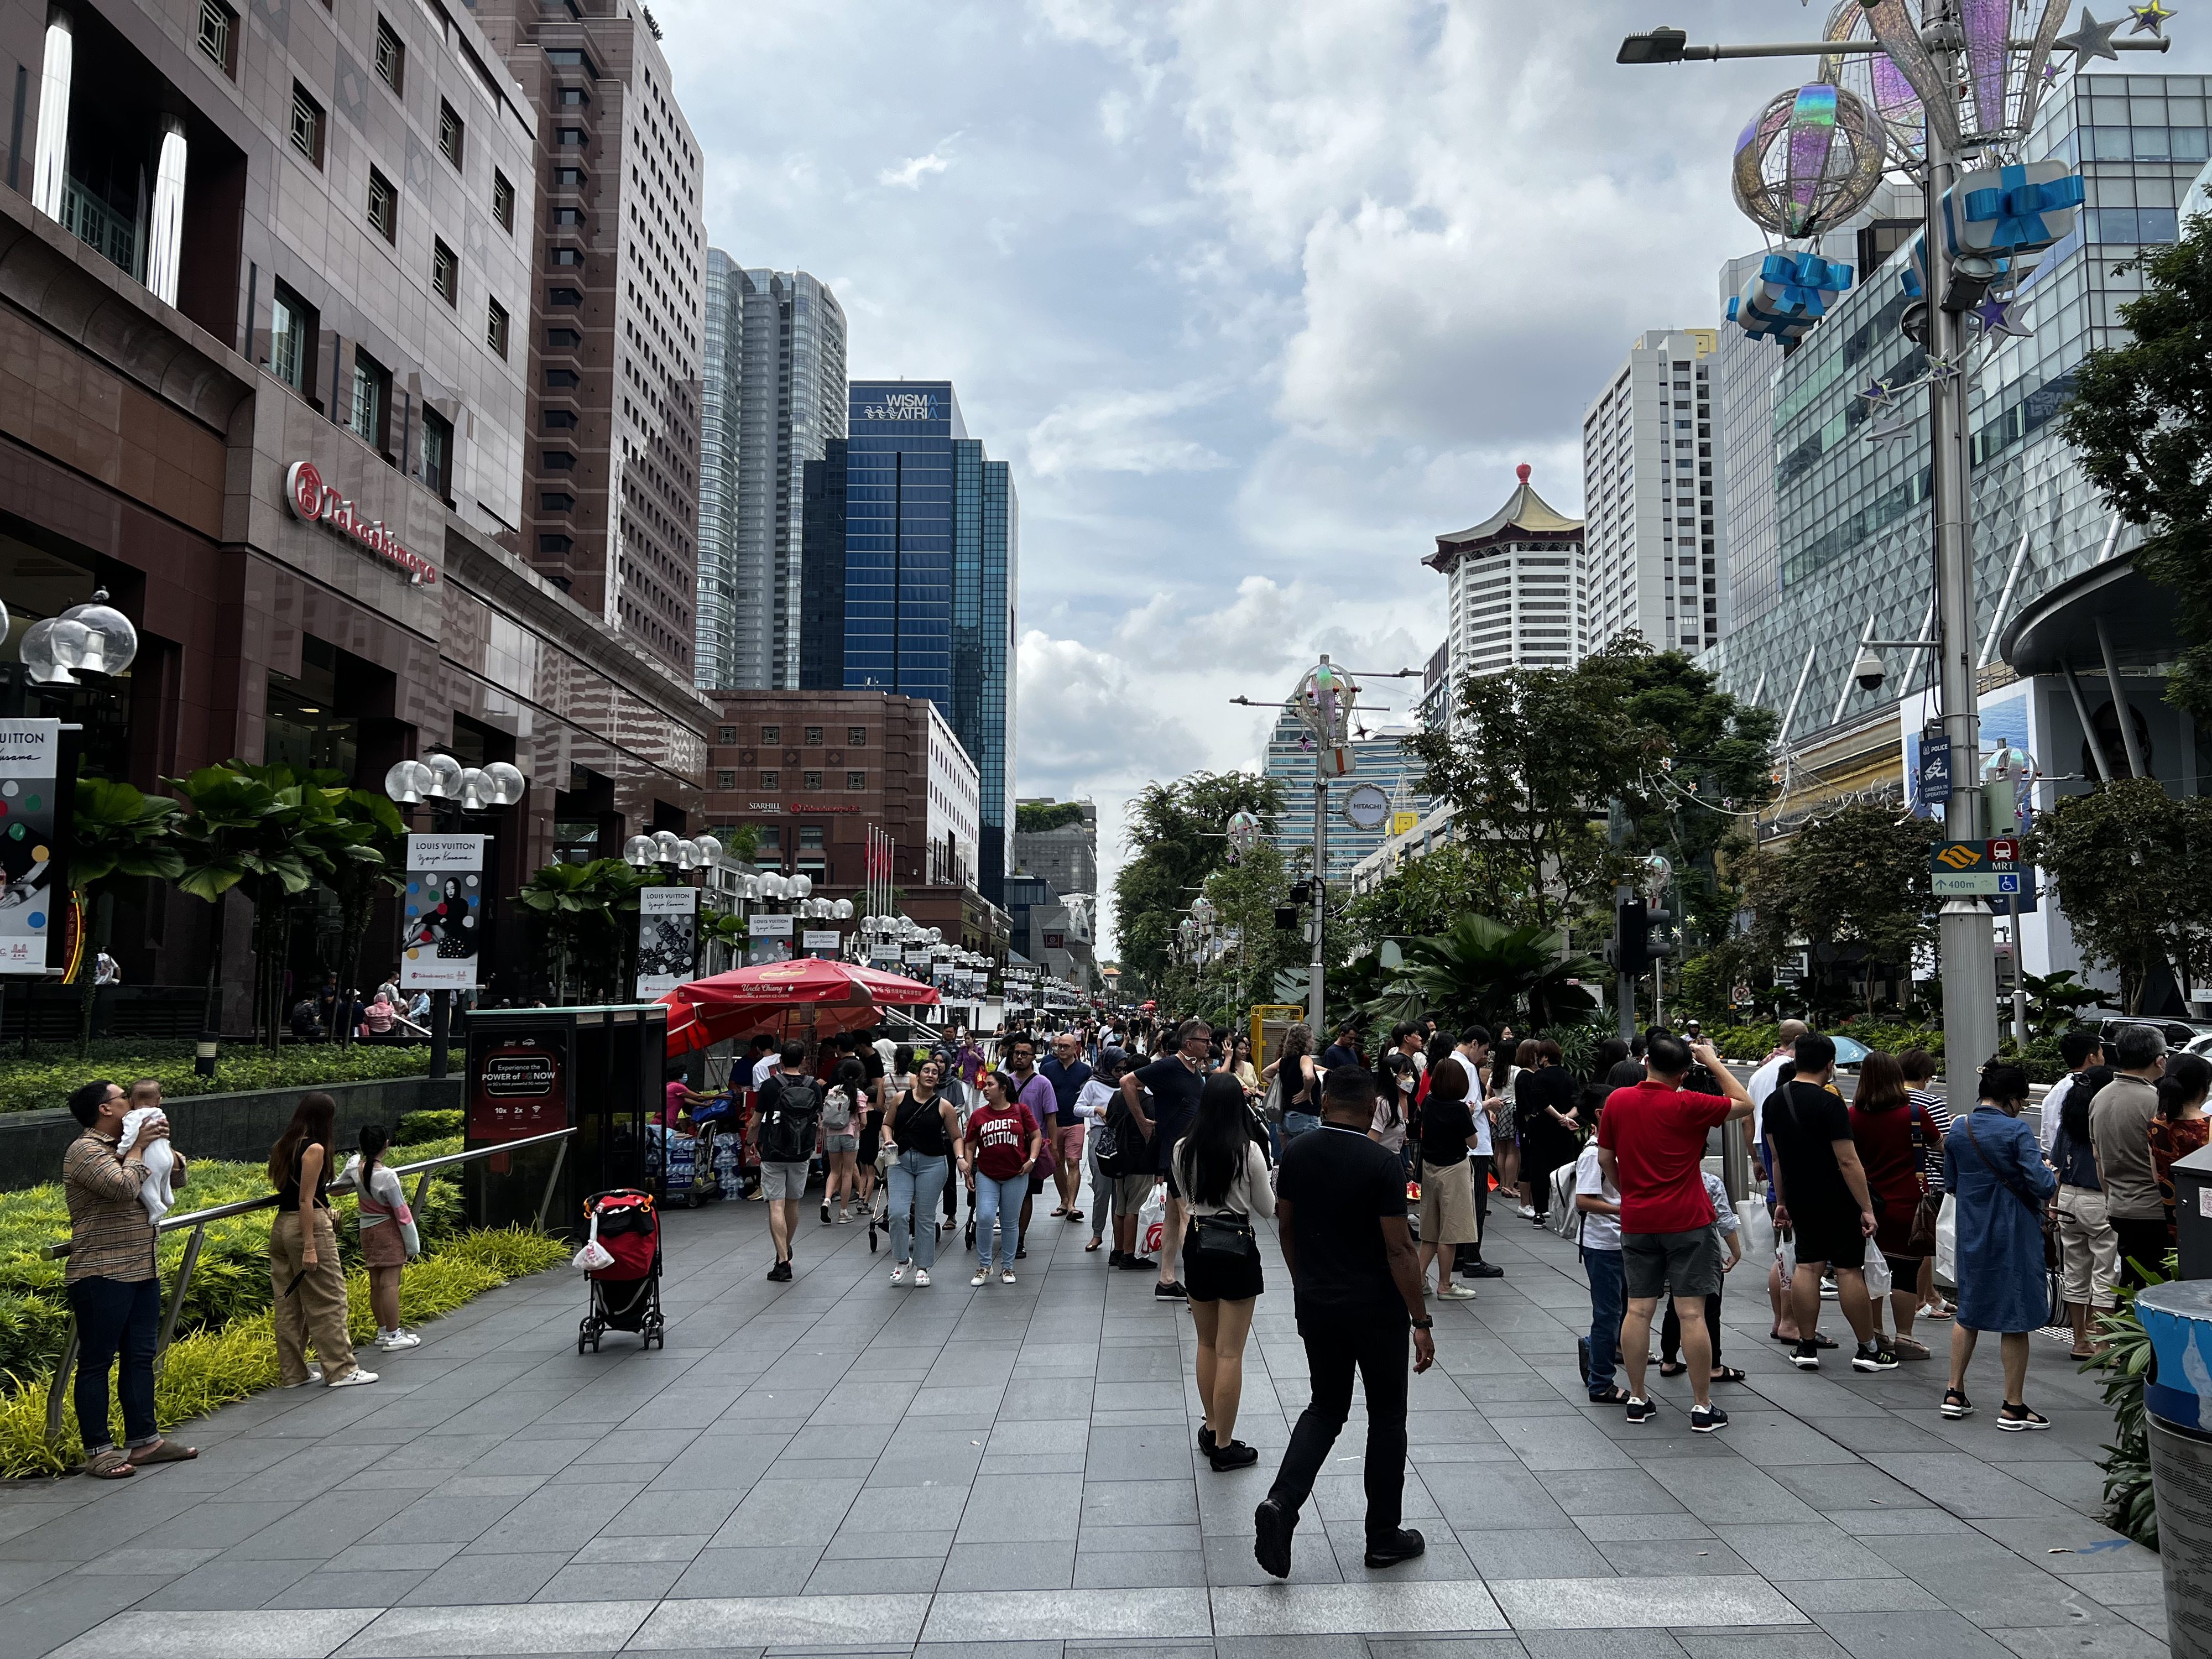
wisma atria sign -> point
(317, 503)
(900, 406)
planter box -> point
(238, 1127)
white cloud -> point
(1121, 432)
(909, 174)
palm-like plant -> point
(117, 830)
(365, 841)
(1482, 972)
(589, 910)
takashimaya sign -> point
(900, 406)
(313, 500)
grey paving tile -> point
(1140, 1569)
(1659, 1557)
(1230, 1560)
(1076, 1615)
(1398, 1607)
(1533, 1552)
(1770, 1644)
(226, 1585)
(349, 1589)
(1641, 1603)
(890, 1575)
(717, 1623)
(1803, 1550)
(1875, 1595)
(449, 1632)
(305, 1634)
(780, 1571)
(2019, 1599)
(486, 1580)
(1910, 1635)
(2119, 1641)
(1601, 1644)
(554, 1517)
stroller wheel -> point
(871, 1238)
(579, 1342)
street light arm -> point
(1672, 46)
(1907, 645)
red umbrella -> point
(821, 997)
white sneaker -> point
(1455, 1293)
(921, 1276)
(1528, 1211)
(314, 1375)
(898, 1275)
(354, 1378)
(1007, 1277)
(397, 1340)
(982, 1276)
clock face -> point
(1367, 806)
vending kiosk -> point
(532, 1071)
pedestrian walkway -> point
(1008, 1473)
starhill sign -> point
(316, 501)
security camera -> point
(1869, 671)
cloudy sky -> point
(1257, 296)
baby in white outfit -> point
(155, 1193)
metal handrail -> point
(197, 1221)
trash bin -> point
(2178, 1404)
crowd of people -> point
(1376, 1164)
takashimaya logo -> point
(900, 406)
(316, 501)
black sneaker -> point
(1139, 1261)
(1873, 1357)
(1020, 1254)
(825, 1215)
(1640, 1410)
(1171, 1291)
(1272, 1526)
(1806, 1357)
(1114, 1258)
(1484, 1270)
(1402, 1546)
(780, 1273)
(1704, 1420)
(1234, 1456)
(1205, 1438)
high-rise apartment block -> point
(774, 396)
(1517, 597)
(1058, 841)
(922, 531)
(616, 320)
(1657, 564)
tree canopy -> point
(2129, 862)
(1175, 840)
(1033, 818)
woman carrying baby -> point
(306, 1277)
(387, 1235)
(111, 1284)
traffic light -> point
(1631, 949)
(1286, 915)
(1659, 939)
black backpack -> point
(786, 1128)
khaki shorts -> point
(1130, 1193)
(1447, 1204)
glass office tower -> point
(1851, 517)
(932, 554)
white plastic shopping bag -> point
(1947, 1242)
(1878, 1278)
(1758, 1229)
(594, 1255)
(1152, 1222)
(1788, 1254)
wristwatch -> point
(1424, 1324)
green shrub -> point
(211, 1367)
(47, 1077)
(2125, 1361)
(416, 1127)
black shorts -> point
(1830, 1235)
(1211, 1278)
(1174, 1191)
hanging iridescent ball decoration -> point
(1243, 835)
(1807, 160)
(1874, 77)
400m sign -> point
(317, 503)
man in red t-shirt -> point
(1651, 1146)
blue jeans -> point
(999, 1202)
(116, 1315)
(1608, 1302)
(915, 1183)
(1298, 1123)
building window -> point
(810, 781)
(770, 781)
(383, 206)
(771, 734)
(560, 420)
(556, 501)
(564, 296)
(559, 460)
(563, 378)
(856, 781)
(444, 272)
(449, 133)
(569, 58)
(391, 56)
(572, 137)
(292, 328)
(571, 178)
(856, 736)
(567, 256)
(502, 200)
(495, 326)
(562, 339)
(726, 735)
(437, 467)
(306, 124)
(218, 35)
(810, 838)
(554, 543)
(568, 216)
(726, 780)
(572, 97)
(813, 737)
(372, 398)
(771, 837)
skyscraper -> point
(1743, 386)
(1517, 597)
(775, 397)
(931, 556)
(1656, 563)
(610, 508)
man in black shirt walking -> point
(1341, 1206)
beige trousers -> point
(316, 1312)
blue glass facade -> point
(931, 556)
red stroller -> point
(626, 1293)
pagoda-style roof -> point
(1525, 516)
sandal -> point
(2013, 1419)
(1672, 1368)
(1956, 1404)
(1614, 1395)
(1727, 1374)
(1093, 1245)
(110, 1465)
(163, 1451)
(1908, 1347)
(1936, 1311)
(1075, 1215)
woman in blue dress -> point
(1993, 1167)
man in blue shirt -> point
(1032, 1091)
(1063, 1137)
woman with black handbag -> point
(1223, 1176)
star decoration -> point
(2151, 19)
(1877, 393)
(2091, 40)
(1997, 319)
(1885, 432)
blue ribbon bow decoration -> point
(2020, 213)
(1802, 284)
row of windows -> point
(808, 781)
(856, 736)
